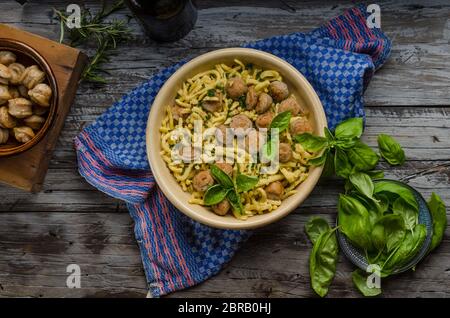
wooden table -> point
(71, 222)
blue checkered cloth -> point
(338, 59)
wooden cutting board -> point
(27, 170)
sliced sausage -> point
(292, 105)
(264, 102)
(285, 152)
(236, 87)
(202, 181)
(213, 105)
(225, 167)
(275, 190)
(241, 121)
(278, 90)
(264, 120)
(252, 98)
(299, 126)
(222, 207)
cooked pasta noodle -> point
(213, 97)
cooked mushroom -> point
(252, 98)
(32, 76)
(264, 102)
(222, 207)
(225, 167)
(178, 112)
(20, 107)
(38, 110)
(264, 120)
(274, 191)
(16, 70)
(285, 152)
(5, 74)
(23, 134)
(299, 126)
(23, 91)
(213, 103)
(5, 95)
(6, 120)
(7, 57)
(278, 90)
(202, 181)
(41, 94)
(293, 106)
(236, 87)
(35, 122)
(14, 92)
(241, 121)
(4, 135)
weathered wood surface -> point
(70, 222)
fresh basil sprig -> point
(437, 210)
(391, 150)
(343, 152)
(324, 255)
(228, 189)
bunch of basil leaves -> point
(379, 217)
(229, 189)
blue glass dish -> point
(358, 258)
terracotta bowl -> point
(297, 84)
(27, 56)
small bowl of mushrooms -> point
(28, 97)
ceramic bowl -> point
(297, 84)
(28, 56)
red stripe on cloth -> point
(163, 239)
(102, 157)
(104, 182)
(355, 29)
(117, 182)
(181, 259)
(344, 32)
(144, 226)
(363, 21)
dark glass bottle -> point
(165, 20)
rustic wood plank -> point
(37, 247)
(67, 222)
(414, 75)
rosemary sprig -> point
(93, 26)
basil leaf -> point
(388, 232)
(362, 183)
(281, 121)
(318, 161)
(360, 281)
(363, 157)
(375, 174)
(215, 194)
(328, 134)
(354, 221)
(346, 143)
(350, 128)
(407, 212)
(322, 262)
(391, 150)
(245, 183)
(221, 177)
(437, 210)
(342, 164)
(211, 92)
(328, 169)
(315, 227)
(406, 250)
(310, 142)
(235, 201)
(393, 189)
